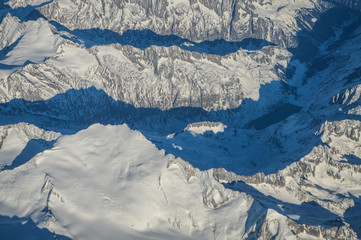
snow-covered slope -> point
(23, 43)
(157, 77)
(154, 69)
(120, 185)
(275, 21)
(242, 119)
(110, 182)
(15, 138)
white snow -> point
(177, 146)
(355, 110)
(24, 3)
(278, 192)
(14, 138)
(36, 43)
(109, 181)
(187, 44)
(202, 127)
(12, 146)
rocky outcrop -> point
(197, 20)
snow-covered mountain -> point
(180, 119)
(110, 182)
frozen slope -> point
(110, 182)
(25, 42)
(156, 77)
(147, 67)
(274, 21)
(255, 132)
(14, 139)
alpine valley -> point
(180, 119)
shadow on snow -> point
(24, 229)
(309, 213)
(32, 148)
(352, 215)
(141, 39)
(75, 110)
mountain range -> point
(160, 119)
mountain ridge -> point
(122, 120)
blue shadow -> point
(75, 110)
(141, 39)
(273, 117)
(352, 215)
(352, 159)
(7, 49)
(309, 213)
(32, 148)
(24, 229)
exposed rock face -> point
(156, 77)
(15, 138)
(304, 181)
(199, 20)
(190, 76)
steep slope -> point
(110, 182)
(20, 142)
(253, 108)
(25, 42)
(164, 71)
(275, 21)
(329, 174)
(156, 77)
(97, 184)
